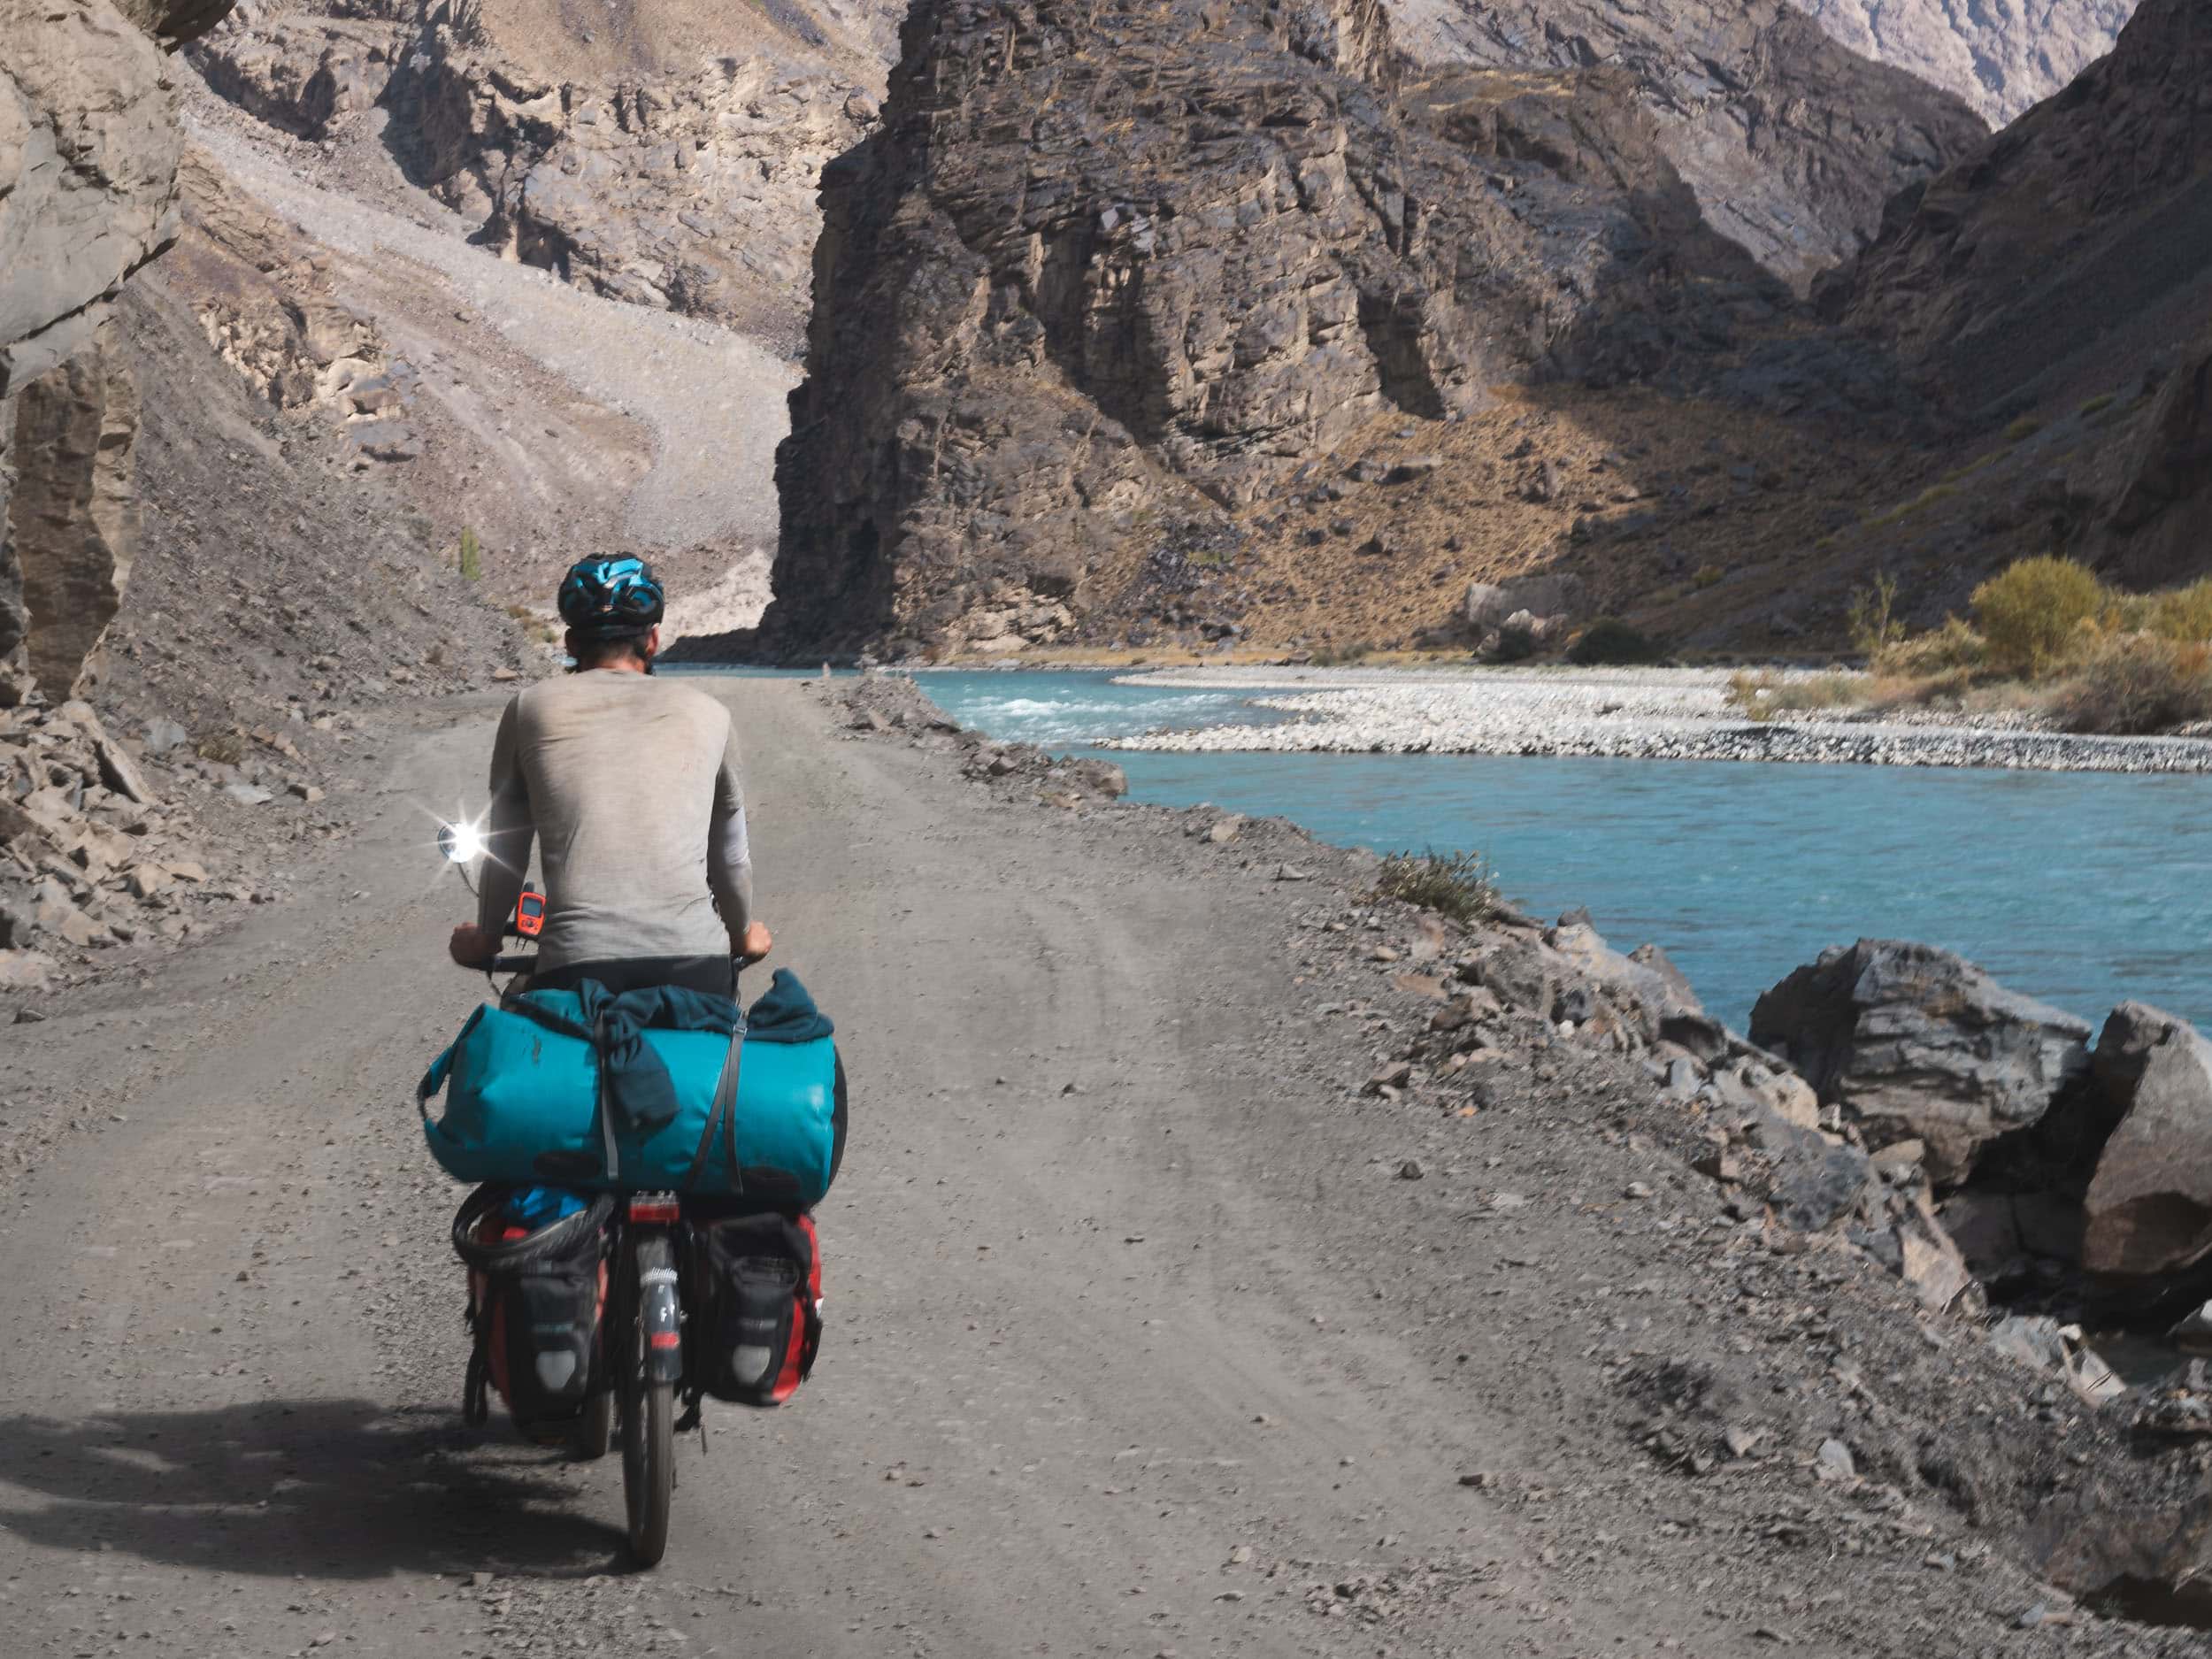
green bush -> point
(1706, 575)
(2031, 614)
(2097, 404)
(2138, 683)
(1458, 885)
(2024, 428)
(1610, 640)
(470, 561)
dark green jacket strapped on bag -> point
(639, 1089)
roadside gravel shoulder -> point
(1705, 1405)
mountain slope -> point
(1791, 142)
(2001, 57)
(2083, 231)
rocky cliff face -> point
(89, 148)
(1791, 142)
(686, 187)
(2000, 59)
(2083, 230)
(1104, 280)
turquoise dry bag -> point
(761, 1117)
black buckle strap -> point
(722, 1118)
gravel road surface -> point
(1139, 1343)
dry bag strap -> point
(722, 1115)
(606, 1103)
(725, 1105)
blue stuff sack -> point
(524, 1098)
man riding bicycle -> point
(629, 786)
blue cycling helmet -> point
(612, 598)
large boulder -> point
(1645, 987)
(1915, 1042)
(2149, 1207)
(1547, 594)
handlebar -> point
(528, 964)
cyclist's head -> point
(612, 605)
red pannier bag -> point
(759, 1281)
(539, 1325)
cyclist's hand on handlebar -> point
(756, 943)
(472, 947)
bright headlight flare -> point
(461, 842)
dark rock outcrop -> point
(1914, 1042)
(2084, 228)
(2159, 529)
(1103, 278)
(1791, 141)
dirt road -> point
(1103, 1373)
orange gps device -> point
(530, 914)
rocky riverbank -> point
(1729, 1271)
(1624, 713)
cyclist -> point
(629, 786)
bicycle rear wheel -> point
(648, 1423)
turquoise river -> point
(2083, 889)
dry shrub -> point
(2138, 683)
(1942, 684)
(1763, 694)
(1460, 885)
(2031, 614)
(2184, 615)
(1875, 623)
(225, 749)
(1953, 647)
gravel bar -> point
(1636, 714)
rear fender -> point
(661, 1315)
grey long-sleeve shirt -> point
(629, 785)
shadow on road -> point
(329, 1489)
